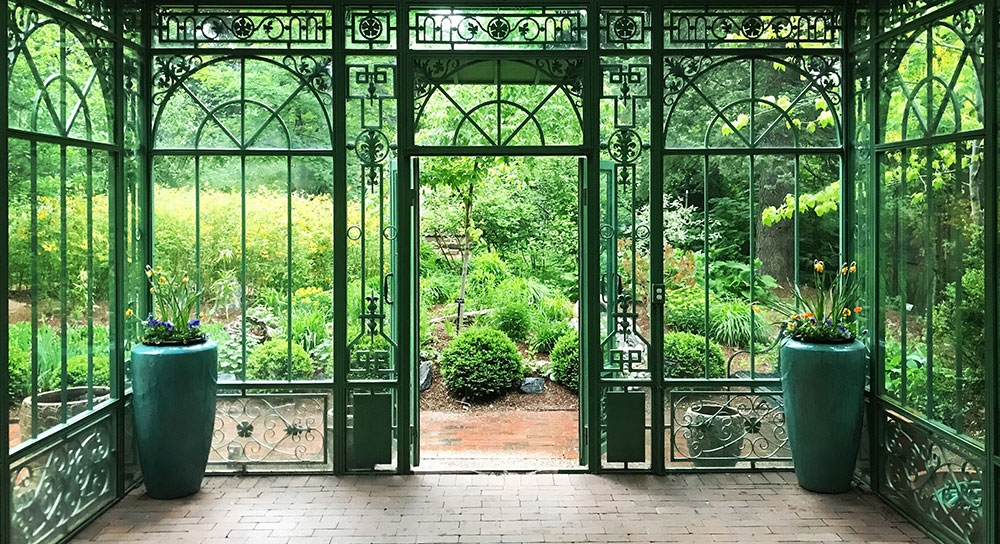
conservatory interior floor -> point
(503, 507)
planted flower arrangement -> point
(174, 375)
(823, 368)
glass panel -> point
(743, 102)
(60, 79)
(518, 29)
(896, 13)
(933, 282)
(535, 103)
(58, 282)
(932, 78)
(211, 104)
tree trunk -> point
(465, 256)
(776, 243)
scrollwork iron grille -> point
(516, 29)
(371, 29)
(259, 432)
(723, 428)
(208, 28)
(933, 479)
(59, 487)
(714, 28)
(623, 28)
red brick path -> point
(542, 435)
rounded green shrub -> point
(685, 310)
(566, 359)
(19, 369)
(76, 368)
(513, 319)
(685, 356)
(269, 361)
(480, 362)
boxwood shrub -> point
(481, 362)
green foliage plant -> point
(685, 310)
(174, 299)
(513, 319)
(829, 315)
(688, 354)
(546, 334)
(270, 361)
(77, 368)
(481, 362)
(18, 374)
(566, 360)
(737, 323)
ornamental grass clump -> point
(828, 317)
(174, 301)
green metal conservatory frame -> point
(187, 134)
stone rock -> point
(425, 375)
(533, 386)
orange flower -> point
(857, 309)
(163, 280)
(808, 315)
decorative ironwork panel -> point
(933, 479)
(721, 428)
(61, 78)
(62, 485)
(864, 20)
(372, 230)
(625, 28)
(369, 28)
(498, 103)
(625, 233)
(226, 28)
(934, 91)
(260, 431)
(713, 28)
(895, 13)
(514, 29)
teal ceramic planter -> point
(173, 399)
(823, 387)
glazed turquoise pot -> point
(823, 388)
(173, 402)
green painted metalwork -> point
(748, 94)
(58, 488)
(548, 28)
(627, 436)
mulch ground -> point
(554, 397)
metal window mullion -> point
(991, 511)
(6, 510)
(338, 225)
(33, 166)
(90, 277)
(656, 241)
(288, 259)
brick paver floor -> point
(442, 508)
